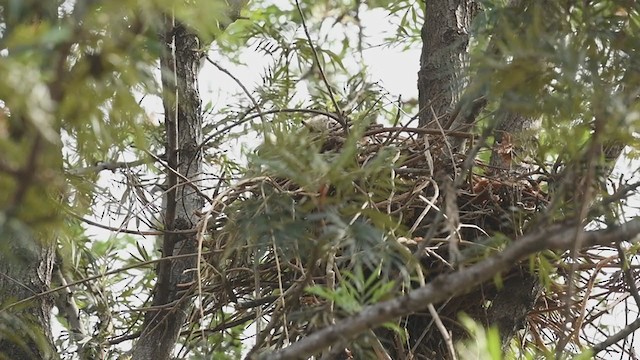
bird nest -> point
(293, 252)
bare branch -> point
(340, 118)
(69, 310)
(628, 330)
(99, 276)
(112, 166)
(556, 237)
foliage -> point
(323, 212)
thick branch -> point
(556, 237)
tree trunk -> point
(25, 265)
(183, 123)
(444, 63)
(444, 57)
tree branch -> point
(556, 237)
(112, 166)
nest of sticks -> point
(273, 239)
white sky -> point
(394, 69)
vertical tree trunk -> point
(25, 268)
(183, 123)
(444, 57)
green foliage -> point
(561, 63)
(348, 219)
(355, 290)
(70, 100)
(482, 344)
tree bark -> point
(444, 63)
(183, 124)
(444, 57)
(445, 36)
(26, 266)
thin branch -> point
(335, 117)
(340, 119)
(443, 330)
(460, 134)
(223, 326)
(134, 232)
(170, 99)
(628, 330)
(256, 105)
(95, 277)
(628, 275)
(68, 308)
(246, 118)
(111, 166)
(187, 181)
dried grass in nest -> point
(260, 282)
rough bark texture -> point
(445, 39)
(183, 121)
(25, 265)
(445, 36)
